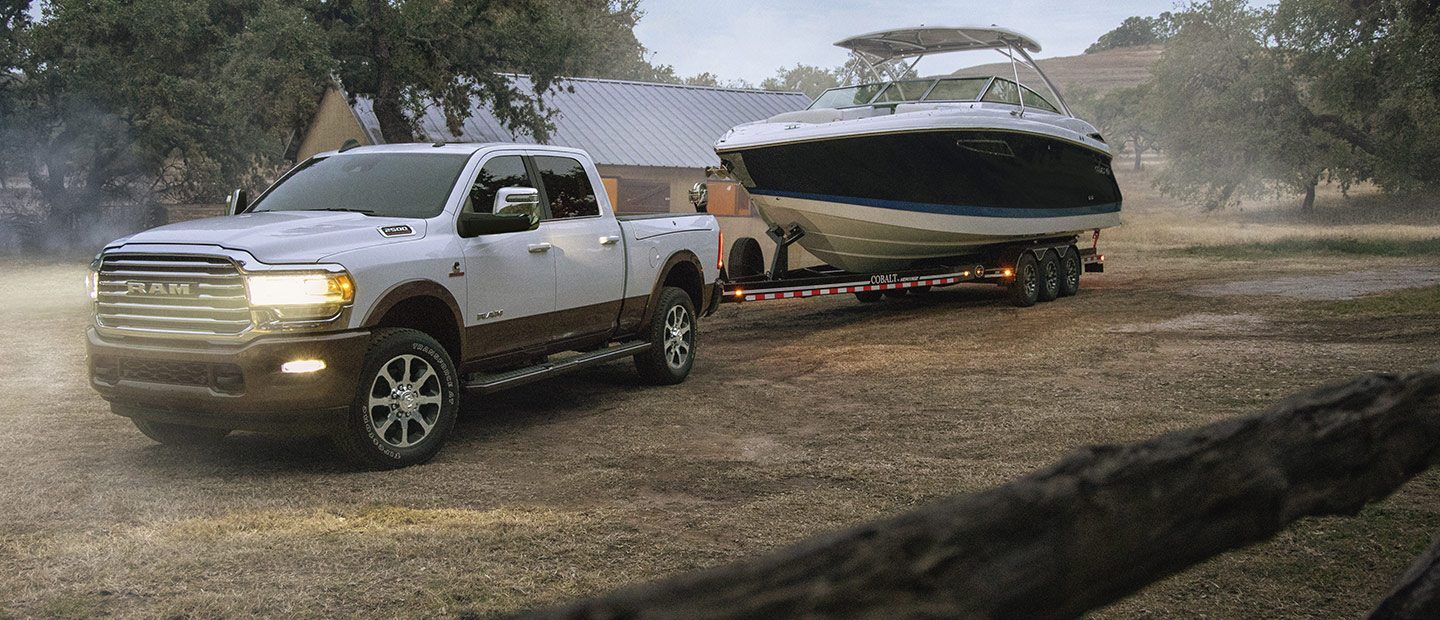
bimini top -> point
(907, 42)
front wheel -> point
(179, 434)
(671, 334)
(405, 404)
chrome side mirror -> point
(237, 202)
(518, 200)
(700, 196)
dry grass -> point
(1100, 72)
(801, 417)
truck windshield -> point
(389, 184)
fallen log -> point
(1417, 595)
(1087, 531)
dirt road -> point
(800, 417)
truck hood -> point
(286, 236)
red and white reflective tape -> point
(841, 290)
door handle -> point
(611, 240)
(537, 248)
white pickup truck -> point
(365, 290)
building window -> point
(728, 198)
(641, 196)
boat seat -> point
(822, 115)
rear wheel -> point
(179, 434)
(1070, 269)
(1024, 288)
(869, 297)
(405, 404)
(672, 340)
(746, 258)
(1049, 276)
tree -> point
(127, 100)
(807, 79)
(407, 55)
(1235, 122)
(14, 21)
(1121, 116)
(1137, 31)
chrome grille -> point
(165, 294)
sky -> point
(750, 40)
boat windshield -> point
(1000, 90)
(846, 97)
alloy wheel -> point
(679, 336)
(405, 401)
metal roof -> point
(620, 123)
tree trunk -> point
(1224, 197)
(1309, 204)
(1139, 150)
(394, 126)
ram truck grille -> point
(171, 295)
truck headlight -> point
(92, 279)
(300, 296)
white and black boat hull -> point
(888, 201)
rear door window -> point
(568, 187)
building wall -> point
(680, 180)
(333, 125)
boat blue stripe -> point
(925, 207)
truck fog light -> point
(302, 366)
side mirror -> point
(237, 203)
(477, 224)
(700, 196)
(517, 200)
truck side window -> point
(568, 186)
(496, 174)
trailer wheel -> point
(1050, 276)
(1070, 270)
(1024, 288)
(869, 297)
(746, 258)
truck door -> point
(509, 277)
(589, 252)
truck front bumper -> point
(239, 388)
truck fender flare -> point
(411, 289)
(681, 256)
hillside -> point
(1100, 72)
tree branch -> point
(1087, 531)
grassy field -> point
(801, 417)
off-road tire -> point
(425, 390)
(1050, 276)
(746, 259)
(1070, 270)
(869, 297)
(1024, 287)
(179, 434)
(672, 333)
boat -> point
(898, 171)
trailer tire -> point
(426, 378)
(179, 434)
(1024, 288)
(672, 334)
(1050, 276)
(869, 297)
(1070, 270)
(746, 258)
